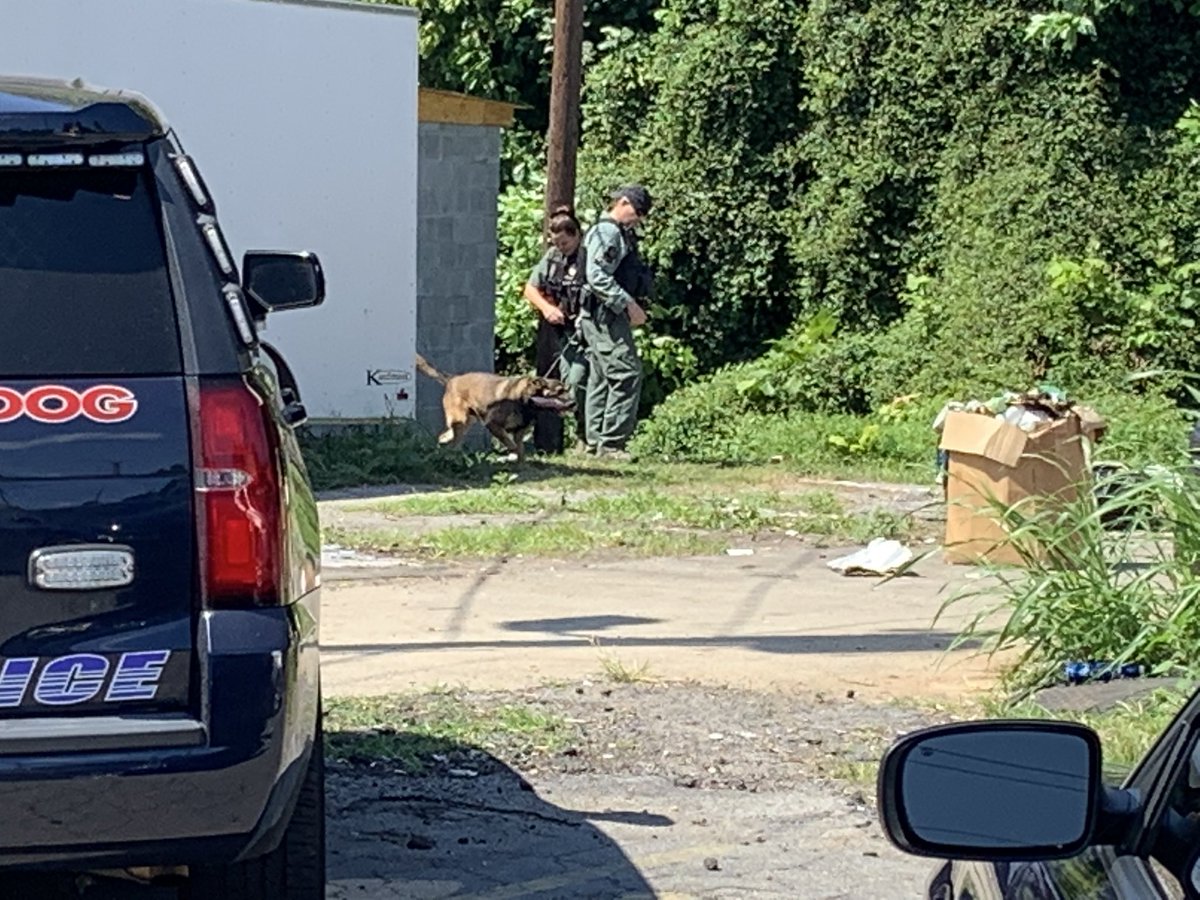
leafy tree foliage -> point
(983, 205)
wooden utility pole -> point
(566, 79)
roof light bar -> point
(133, 158)
(54, 159)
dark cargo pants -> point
(560, 355)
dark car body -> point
(1141, 842)
(159, 697)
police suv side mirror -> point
(1015, 790)
(275, 281)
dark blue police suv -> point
(159, 543)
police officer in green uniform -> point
(555, 289)
(616, 278)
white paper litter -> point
(1024, 418)
(739, 551)
(880, 557)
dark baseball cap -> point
(639, 198)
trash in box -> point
(1015, 446)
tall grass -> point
(1111, 575)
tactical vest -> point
(633, 275)
(565, 278)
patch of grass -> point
(1126, 731)
(689, 502)
(640, 521)
(858, 763)
(410, 731)
(859, 773)
(557, 538)
(710, 422)
(862, 527)
(820, 503)
(619, 672)
(815, 513)
(493, 501)
(388, 453)
(748, 512)
(403, 452)
(1112, 579)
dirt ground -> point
(775, 681)
(676, 790)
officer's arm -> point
(603, 243)
(535, 291)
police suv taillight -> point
(238, 496)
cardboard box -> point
(991, 459)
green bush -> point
(712, 421)
(991, 203)
(698, 111)
(1144, 428)
(699, 422)
(501, 49)
(815, 398)
(668, 364)
(519, 247)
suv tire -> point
(295, 870)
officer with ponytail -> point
(555, 290)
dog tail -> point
(424, 366)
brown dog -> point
(507, 406)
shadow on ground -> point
(898, 641)
(471, 827)
(569, 624)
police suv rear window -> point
(83, 276)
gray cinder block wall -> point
(458, 174)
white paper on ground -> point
(880, 557)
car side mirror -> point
(276, 281)
(993, 790)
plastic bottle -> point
(1080, 671)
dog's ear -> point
(526, 386)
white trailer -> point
(302, 117)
